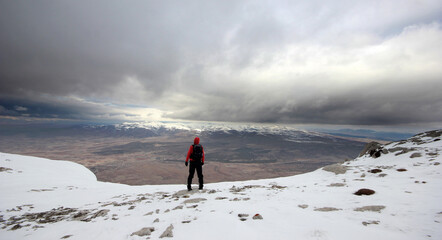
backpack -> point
(197, 153)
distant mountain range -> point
(364, 133)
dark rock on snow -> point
(364, 191)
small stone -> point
(131, 207)
(376, 170)
(188, 221)
(243, 215)
(370, 222)
(337, 185)
(257, 217)
(364, 191)
(401, 170)
(303, 206)
(156, 220)
(66, 236)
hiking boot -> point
(189, 188)
(200, 188)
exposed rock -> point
(335, 168)
(432, 134)
(149, 213)
(220, 198)
(187, 221)
(168, 232)
(66, 236)
(415, 155)
(194, 200)
(257, 217)
(374, 149)
(100, 213)
(303, 206)
(370, 222)
(15, 227)
(3, 169)
(327, 209)
(337, 185)
(146, 231)
(242, 215)
(374, 208)
(376, 170)
(383, 175)
(401, 170)
(364, 191)
(234, 189)
(178, 207)
(275, 186)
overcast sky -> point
(310, 62)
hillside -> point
(47, 199)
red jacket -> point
(189, 153)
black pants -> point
(199, 171)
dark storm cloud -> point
(279, 61)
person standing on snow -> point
(196, 156)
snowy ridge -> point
(46, 199)
(213, 127)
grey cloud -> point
(225, 60)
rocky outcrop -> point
(373, 149)
(146, 231)
(168, 232)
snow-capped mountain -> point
(390, 192)
(210, 127)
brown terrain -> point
(160, 159)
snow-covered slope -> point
(46, 199)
